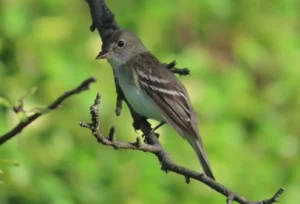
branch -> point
(56, 104)
(167, 165)
(180, 71)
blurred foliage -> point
(244, 58)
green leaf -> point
(4, 102)
(30, 92)
(22, 117)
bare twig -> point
(230, 199)
(17, 129)
(275, 198)
(110, 140)
(180, 71)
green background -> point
(244, 60)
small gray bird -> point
(152, 90)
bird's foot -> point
(150, 133)
(153, 130)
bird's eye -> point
(121, 43)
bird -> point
(152, 90)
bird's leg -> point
(155, 128)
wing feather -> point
(166, 92)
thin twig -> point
(18, 128)
(111, 140)
(180, 71)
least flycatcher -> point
(152, 90)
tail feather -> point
(198, 147)
(203, 160)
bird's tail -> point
(198, 147)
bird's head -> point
(121, 47)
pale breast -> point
(140, 102)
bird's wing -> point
(166, 92)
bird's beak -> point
(103, 55)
